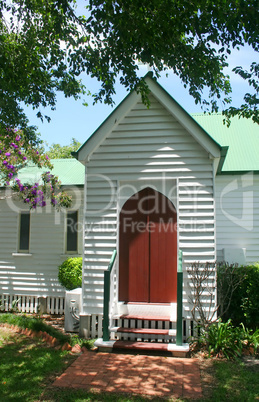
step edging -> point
(109, 346)
(142, 317)
(104, 346)
(143, 331)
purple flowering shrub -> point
(15, 152)
(36, 195)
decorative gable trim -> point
(199, 134)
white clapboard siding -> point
(147, 144)
(237, 214)
(35, 274)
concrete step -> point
(147, 309)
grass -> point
(37, 324)
(235, 382)
(33, 323)
(28, 367)
(71, 395)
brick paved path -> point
(140, 374)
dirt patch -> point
(9, 336)
(5, 333)
(251, 362)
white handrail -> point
(114, 289)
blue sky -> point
(72, 119)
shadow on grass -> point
(72, 395)
(234, 382)
(25, 366)
(28, 368)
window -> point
(72, 226)
(24, 235)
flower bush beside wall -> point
(16, 150)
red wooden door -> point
(148, 249)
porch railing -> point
(179, 322)
(108, 278)
(109, 283)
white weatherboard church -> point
(163, 189)
(154, 190)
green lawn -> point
(235, 382)
(28, 368)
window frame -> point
(20, 249)
(75, 251)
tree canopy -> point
(47, 44)
(57, 151)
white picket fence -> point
(32, 304)
(55, 305)
(96, 326)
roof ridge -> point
(63, 159)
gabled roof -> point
(242, 138)
(69, 171)
(201, 136)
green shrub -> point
(70, 273)
(250, 338)
(224, 338)
(244, 305)
(76, 340)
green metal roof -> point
(242, 138)
(69, 171)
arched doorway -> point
(148, 249)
